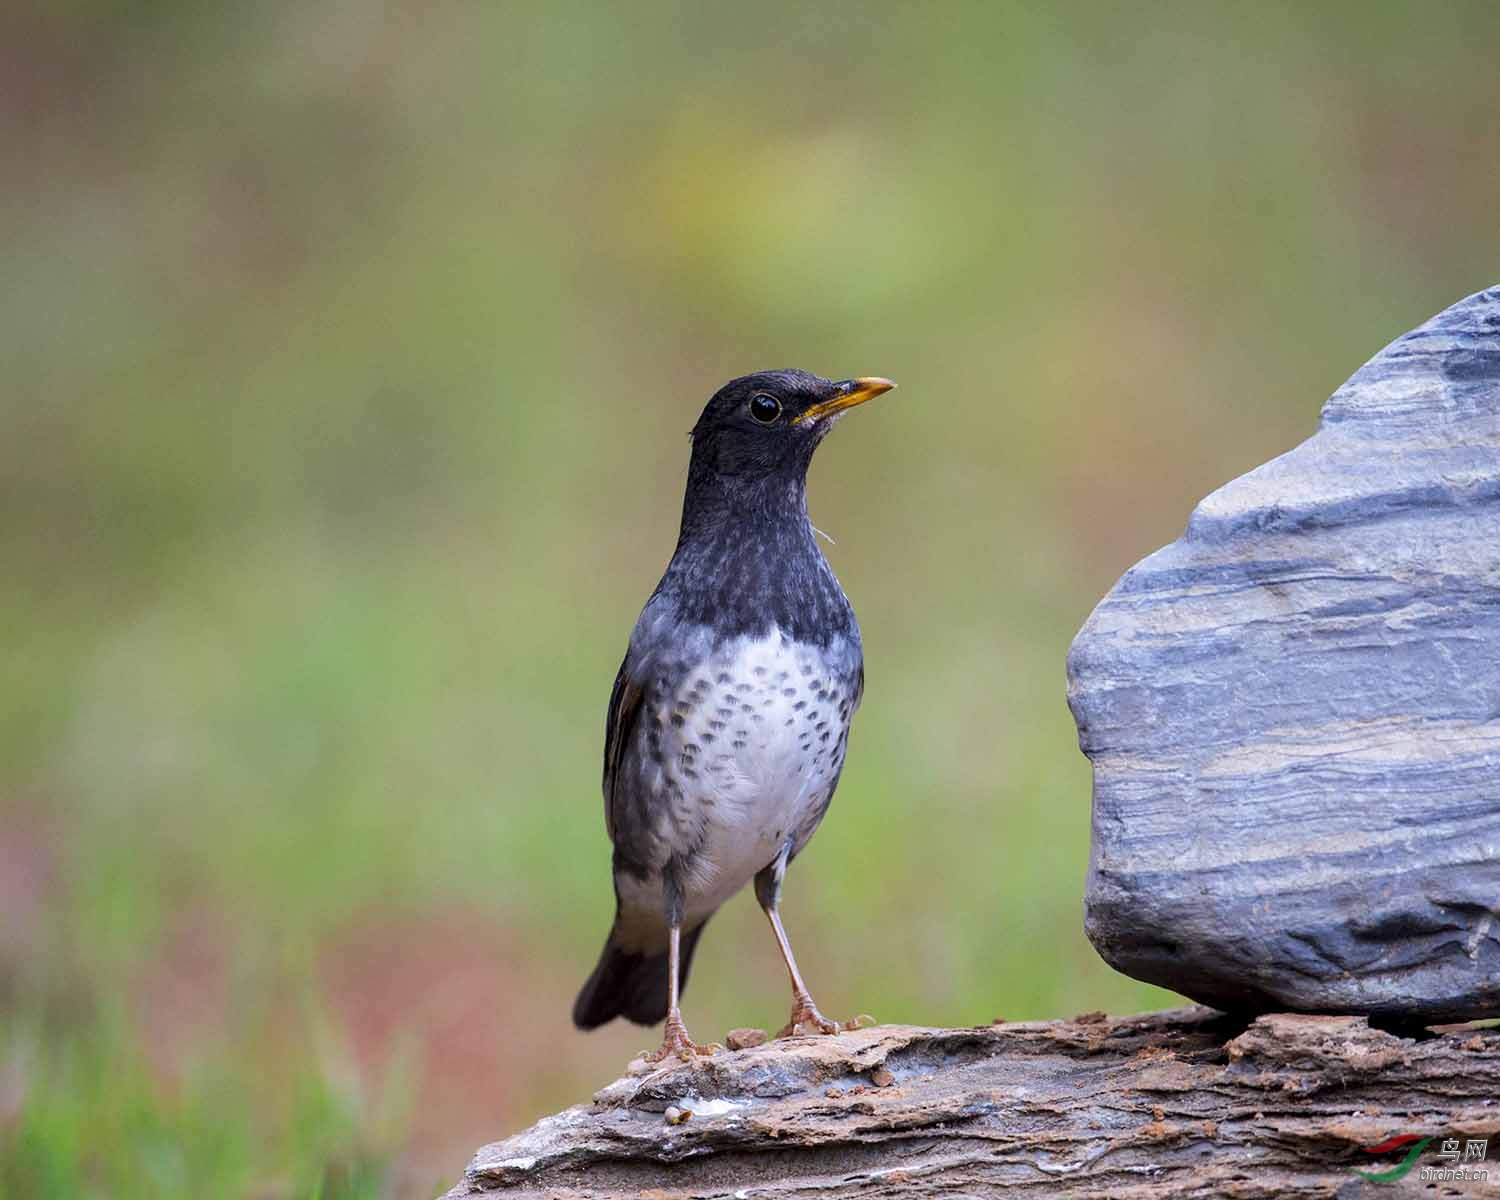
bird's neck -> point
(746, 561)
(720, 510)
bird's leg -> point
(675, 1038)
(805, 1016)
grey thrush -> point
(729, 717)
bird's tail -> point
(633, 986)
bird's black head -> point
(766, 426)
(746, 558)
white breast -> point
(756, 742)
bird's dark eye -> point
(764, 408)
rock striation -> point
(1293, 712)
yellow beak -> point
(853, 392)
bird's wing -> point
(624, 711)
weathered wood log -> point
(1293, 711)
(1186, 1103)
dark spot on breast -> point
(799, 706)
(788, 692)
(823, 737)
(677, 719)
(708, 739)
(740, 743)
(722, 677)
(716, 726)
(759, 672)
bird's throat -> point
(720, 508)
(747, 561)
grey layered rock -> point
(1293, 712)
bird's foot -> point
(675, 1042)
(807, 1020)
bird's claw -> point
(806, 1020)
(675, 1042)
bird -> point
(729, 718)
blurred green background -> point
(349, 352)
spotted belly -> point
(745, 750)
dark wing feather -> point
(624, 711)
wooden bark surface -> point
(1184, 1103)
